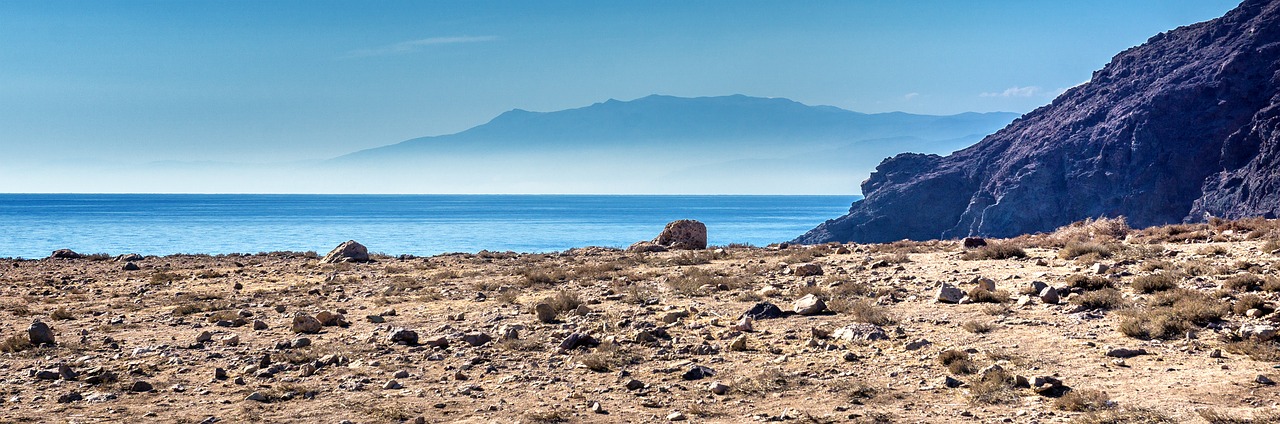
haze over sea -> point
(33, 225)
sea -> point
(33, 225)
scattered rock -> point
(1049, 296)
(1259, 332)
(477, 338)
(545, 312)
(1121, 352)
(259, 325)
(985, 283)
(39, 333)
(806, 270)
(763, 310)
(303, 323)
(330, 319)
(141, 386)
(683, 234)
(948, 293)
(676, 416)
(860, 332)
(392, 385)
(974, 242)
(718, 388)
(348, 251)
(744, 324)
(576, 340)
(130, 266)
(403, 336)
(256, 397)
(810, 304)
(376, 319)
(1264, 380)
(739, 344)
(65, 254)
(916, 344)
(698, 372)
(634, 384)
(646, 247)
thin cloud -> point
(910, 96)
(1015, 92)
(411, 46)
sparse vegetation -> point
(995, 251)
(1154, 282)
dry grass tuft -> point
(864, 311)
(977, 327)
(1125, 416)
(995, 251)
(1154, 282)
(1107, 298)
(1079, 249)
(992, 388)
(1259, 417)
(1172, 314)
(957, 362)
(1082, 401)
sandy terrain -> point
(645, 322)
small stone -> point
(718, 388)
(220, 373)
(576, 340)
(1216, 353)
(1259, 332)
(204, 336)
(130, 266)
(299, 343)
(259, 325)
(806, 270)
(763, 310)
(1099, 268)
(1264, 380)
(1121, 352)
(1049, 295)
(596, 408)
(477, 338)
(544, 312)
(256, 397)
(634, 384)
(974, 242)
(948, 293)
(698, 372)
(404, 336)
(437, 341)
(860, 331)
(231, 340)
(39, 333)
(303, 323)
(392, 385)
(306, 370)
(329, 319)
(985, 283)
(70, 397)
(140, 386)
(744, 324)
(739, 344)
(676, 416)
(401, 374)
(672, 316)
(376, 319)
(917, 344)
(951, 382)
(810, 304)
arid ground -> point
(1169, 324)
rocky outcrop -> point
(1184, 126)
(348, 251)
(684, 234)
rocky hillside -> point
(1183, 126)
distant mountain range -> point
(1183, 127)
(665, 144)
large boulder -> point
(349, 251)
(65, 254)
(685, 234)
(39, 333)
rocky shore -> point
(1095, 322)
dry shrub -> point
(864, 311)
(1098, 230)
(15, 343)
(1154, 282)
(1082, 401)
(768, 381)
(1174, 233)
(1107, 298)
(692, 257)
(1092, 250)
(977, 327)
(903, 246)
(1125, 416)
(535, 277)
(1088, 282)
(1259, 417)
(548, 416)
(978, 295)
(1156, 265)
(957, 362)
(1271, 245)
(1214, 250)
(1198, 267)
(997, 309)
(563, 301)
(1258, 350)
(995, 251)
(61, 314)
(1244, 282)
(1171, 314)
(521, 345)
(1249, 301)
(992, 388)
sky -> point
(132, 82)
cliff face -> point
(1185, 125)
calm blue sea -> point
(33, 225)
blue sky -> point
(272, 81)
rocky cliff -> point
(1184, 126)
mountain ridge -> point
(1183, 126)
